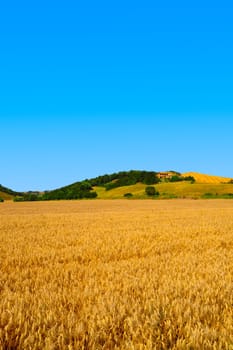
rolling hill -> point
(134, 182)
(205, 186)
(7, 194)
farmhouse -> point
(166, 174)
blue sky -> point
(94, 87)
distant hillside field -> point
(203, 178)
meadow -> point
(116, 274)
(168, 190)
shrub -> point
(151, 191)
(128, 195)
(1, 200)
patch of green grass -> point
(165, 195)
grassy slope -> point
(6, 196)
(137, 190)
(196, 190)
(168, 190)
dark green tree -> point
(151, 191)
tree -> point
(189, 178)
(151, 191)
(150, 178)
(176, 178)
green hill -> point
(78, 190)
(86, 188)
(7, 194)
(170, 184)
(132, 184)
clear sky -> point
(94, 87)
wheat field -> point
(208, 179)
(116, 274)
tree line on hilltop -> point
(125, 178)
(84, 189)
(78, 190)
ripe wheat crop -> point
(209, 179)
(116, 275)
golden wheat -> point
(208, 179)
(116, 275)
